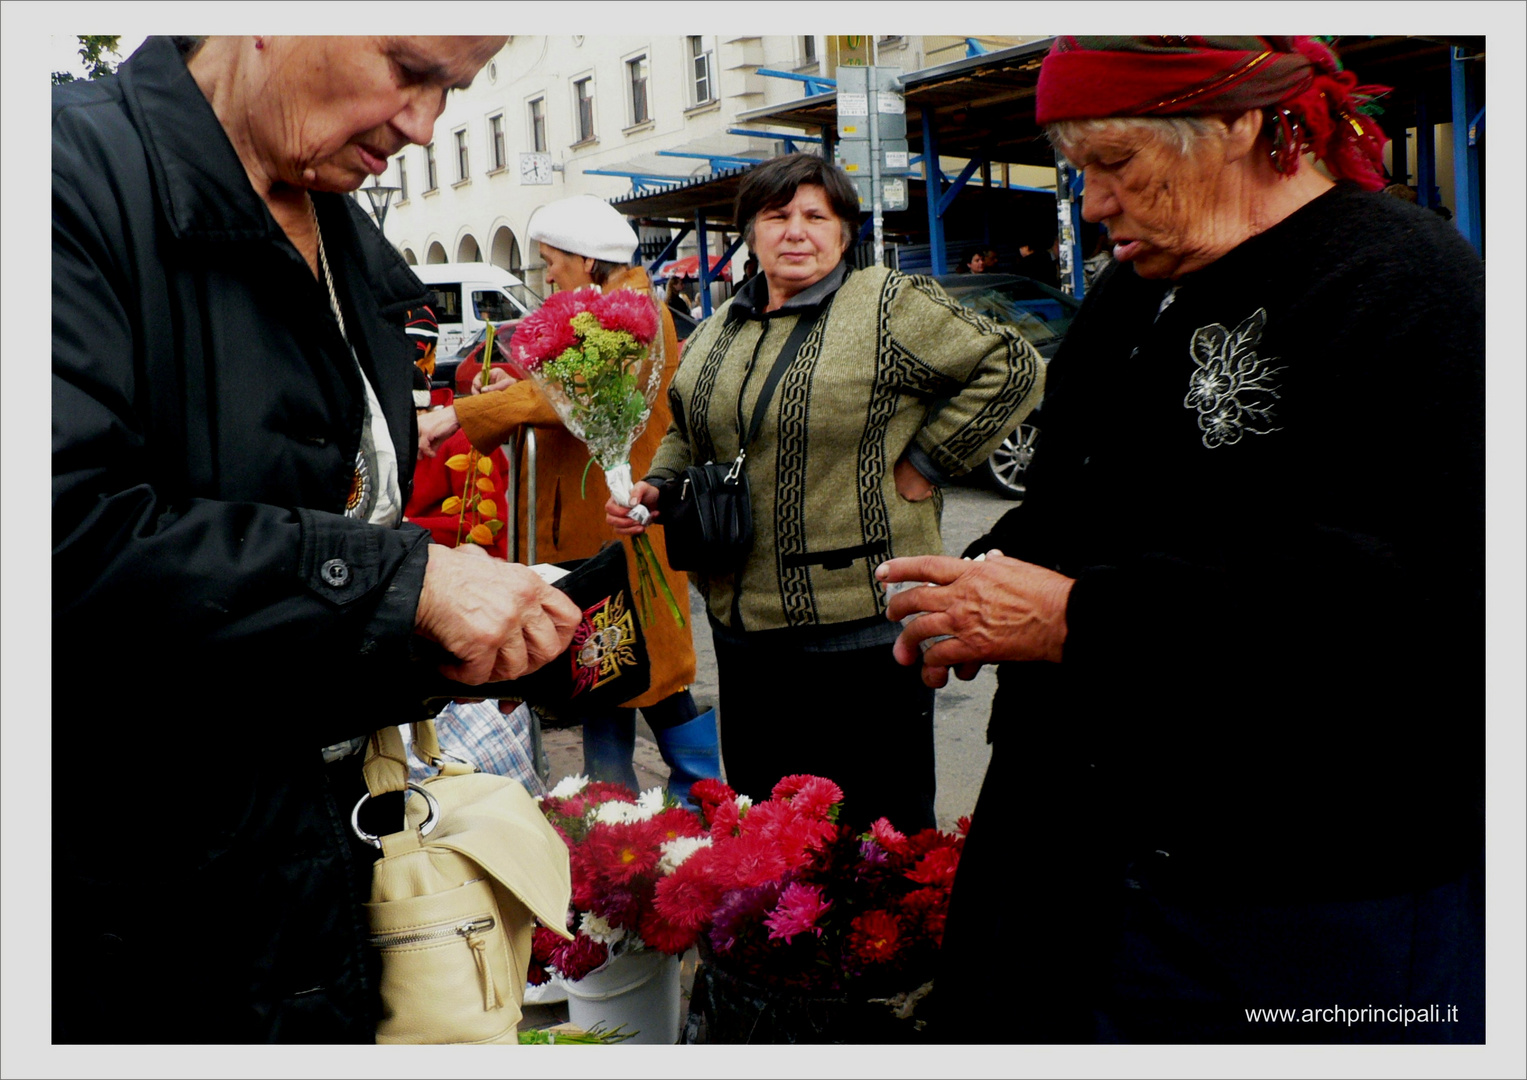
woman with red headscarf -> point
(1237, 740)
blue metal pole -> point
(1465, 154)
(704, 263)
(935, 192)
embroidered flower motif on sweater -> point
(1232, 388)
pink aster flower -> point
(887, 837)
(626, 310)
(800, 906)
(817, 797)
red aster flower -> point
(687, 898)
(663, 936)
(936, 868)
(725, 819)
(580, 956)
(927, 910)
(750, 860)
(615, 854)
(874, 936)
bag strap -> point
(803, 326)
(386, 764)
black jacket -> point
(1268, 485)
(206, 419)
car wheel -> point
(1007, 468)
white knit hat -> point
(584, 225)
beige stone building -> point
(552, 116)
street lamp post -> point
(380, 195)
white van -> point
(466, 294)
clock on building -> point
(535, 168)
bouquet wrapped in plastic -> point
(598, 359)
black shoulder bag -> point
(707, 511)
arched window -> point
(505, 253)
(435, 254)
(409, 257)
(467, 250)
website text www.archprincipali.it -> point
(1367, 1014)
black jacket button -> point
(335, 573)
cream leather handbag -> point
(455, 896)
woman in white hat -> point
(585, 241)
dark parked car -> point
(1042, 315)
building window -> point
(583, 93)
(496, 135)
(461, 155)
(538, 125)
(431, 182)
(636, 78)
(809, 49)
(402, 179)
(700, 71)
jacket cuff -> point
(920, 461)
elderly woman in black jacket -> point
(233, 439)
(1240, 715)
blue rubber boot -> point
(692, 752)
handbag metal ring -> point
(431, 819)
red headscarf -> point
(1315, 104)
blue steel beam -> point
(726, 161)
(704, 264)
(959, 184)
(1465, 152)
(815, 84)
(933, 183)
(788, 140)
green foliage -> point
(93, 51)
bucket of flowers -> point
(810, 931)
(622, 966)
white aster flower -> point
(743, 802)
(598, 928)
(569, 786)
(617, 813)
(675, 851)
(650, 802)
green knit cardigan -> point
(895, 362)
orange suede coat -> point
(570, 525)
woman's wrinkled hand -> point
(911, 484)
(435, 427)
(498, 379)
(619, 517)
(499, 620)
(988, 611)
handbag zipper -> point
(471, 931)
(480, 925)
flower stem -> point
(644, 550)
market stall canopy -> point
(982, 107)
(689, 267)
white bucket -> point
(639, 990)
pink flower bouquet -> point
(598, 359)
